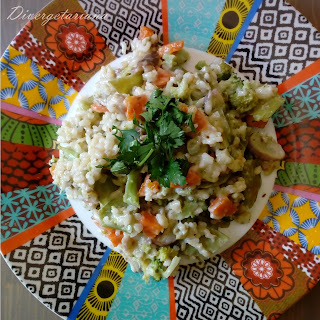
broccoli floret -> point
(171, 61)
(165, 253)
(146, 248)
(200, 64)
(225, 72)
(155, 270)
(244, 98)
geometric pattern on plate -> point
(137, 299)
(26, 130)
(25, 208)
(27, 44)
(303, 176)
(122, 19)
(305, 260)
(99, 300)
(278, 43)
(210, 290)
(301, 141)
(27, 85)
(24, 166)
(232, 17)
(302, 103)
(193, 22)
(295, 217)
(56, 265)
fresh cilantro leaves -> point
(162, 127)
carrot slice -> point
(201, 120)
(171, 48)
(150, 224)
(147, 183)
(252, 123)
(145, 32)
(163, 77)
(222, 207)
(135, 106)
(99, 108)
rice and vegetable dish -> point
(165, 158)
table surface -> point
(16, 301)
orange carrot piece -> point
(252, 123)
(201, 120)
(99, 108)
(171, 48)
(222, 207)
(147, 183)
(145, 32)
(193, 178)
(113, 237)
(151, 227)
(135, 106)
(163, 77)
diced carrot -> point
(193, 178)
(200, 120)
(147, 183)
(145, 32)
(163, 77)
(150, 224)
(135, 106)
(222, 207)
(258, 124)
(113, 236)
(99, 108)
(171, 48)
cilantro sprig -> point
(164, 133)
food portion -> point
(166, 158)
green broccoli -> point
(171, 61)
(225, 73)
(155, 270)
(165, 253)
(244, 98)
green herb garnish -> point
(163, 122)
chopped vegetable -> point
(192, 178)
(200, 120)
(265, 147)
(154, 269)
(151, 226)
(126, 83)
(98, 108)
(163, 77)
(115, 236)
(68, 153)
(148, 184)
(171, 48)
(225, 71)
(200, 64)
(173, 265)
(131, 191)
(252, 123)
(105, 190)
(264, 111)
(253, 182)
(135, 106)
(221, 207)
(145, 32)
(172, 61)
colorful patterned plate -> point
(42, 238)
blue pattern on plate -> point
(193, 21)
(137, 299)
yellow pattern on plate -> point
(27, 85)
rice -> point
(187, 231)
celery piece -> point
(125, 84)
(173, 265)
(253, 182)
(200, 64)
(171, 61)
(214, 245)
(225, 72)
(266, 110)
(105, 190)
(131, 191)
(68, 153)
